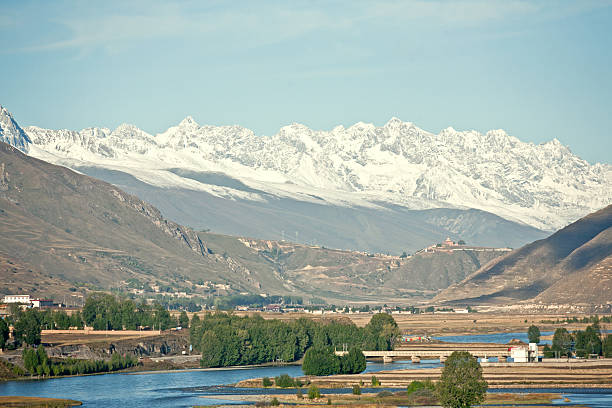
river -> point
(189, 388)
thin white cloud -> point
(259, 23)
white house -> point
(17, 299)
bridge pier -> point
(415, 359)
(387, 359)
(442, 359)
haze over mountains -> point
(384, 189)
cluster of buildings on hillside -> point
(26, 301)
(448, 245)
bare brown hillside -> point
(574, 265)
(62, 231)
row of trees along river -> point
(225, 339)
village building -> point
(25, 299)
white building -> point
(17, 299)
(42, 303)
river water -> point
(501, 338)
(189, 388)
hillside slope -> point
(574, 265)
(62, 231)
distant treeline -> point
(582, 343)
(574, 319)
(101, 311)
(36, 362)
(29, 323)
(106, 312)
(225, 339)
(230, 302)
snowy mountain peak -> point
(545, 186)
(394, 122)
(188, 123)
(11, 132)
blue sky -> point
(539, 70)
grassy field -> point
(447, 324)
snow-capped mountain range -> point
(545, 186)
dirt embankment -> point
(96, 347)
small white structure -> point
(17, 299)
(519, 354)
(534, 352)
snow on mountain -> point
(545, 186)
(11, 133)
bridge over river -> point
(416, 354)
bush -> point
(313, 392)
(274, 402)
(284, 381)
(266, 382)
(329, 401)
(414, 386)
(356, 390)
(320, 361)
(384, 394)
(375, 381)
(354, 362)
(299, 394)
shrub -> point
(413, 386)
(329, 401)
(274, 402)
(354, 362)
(313, 392)
(356, 390)
(266, 382)
(284, 381)
(384, 394)
(299, 394)
(320, 361)
(375, 381)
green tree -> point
(211, 348)
(320, 361)
(4, 333)
(461, 384)
(534, 334)
(562, 342)
(607, 346)
(30, 359)
(353, 363)
(27, 328)
(588, 341)
(383, 331)
(183, 320)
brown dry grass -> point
(35, 402)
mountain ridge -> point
(545, 186)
